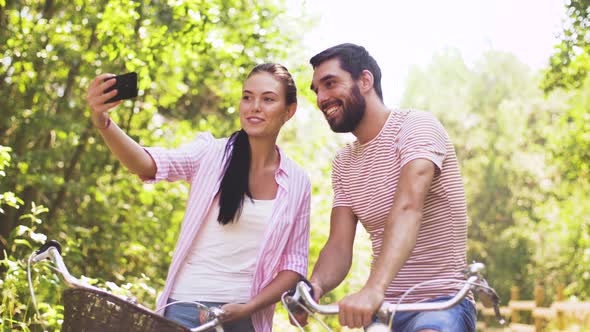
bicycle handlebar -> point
(386, 308)
(51, 250)
(475, 282)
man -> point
(401, 180)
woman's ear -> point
(366, 81)
(291, 109)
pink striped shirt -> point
(286, 241)
(365, 178)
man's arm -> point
(335, 258)
(399, 238)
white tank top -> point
(220, 266)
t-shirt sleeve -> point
(340, 197)
(180, 163)
(422, 136)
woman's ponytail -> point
(234, 184)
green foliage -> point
(15, 308)
(6, 198)
(570, 64)
(569, 145)
(568, 213)
(191, 57)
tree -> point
(570, 64)
(191, 57)
(569, 145)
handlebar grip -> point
(291, 292)
(47, 245)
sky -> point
(400, 33)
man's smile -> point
(330, 109)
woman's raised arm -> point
(128, 151)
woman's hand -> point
(96, 98)
(233, 312)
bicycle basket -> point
(88, 310)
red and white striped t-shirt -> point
(365, 178)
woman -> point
(245, 234)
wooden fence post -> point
(539, 298)
(514, 297)
(560, 298)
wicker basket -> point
(94, 311)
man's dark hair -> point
(354, 59)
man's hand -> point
(300, 315)
(357, 310)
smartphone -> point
(126, 87)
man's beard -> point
(353, 110)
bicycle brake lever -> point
(486, 294)
(499, 317)
(43, 252)
(490, 298)
(47, 245)
(294, 299)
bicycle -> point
(89, 308)
(301, 298)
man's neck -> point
(375, 117)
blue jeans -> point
(191, 316)
(459, 318)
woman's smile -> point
(254, 120)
